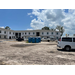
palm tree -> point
(60, 28)
(7, 27)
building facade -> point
(12, 34)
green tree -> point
(52, 29)
(7, 27)
(60, 28)
(45, 28)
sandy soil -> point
(44, 53)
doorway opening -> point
(9, 37)
(20, 35)
(16, 34)
(37, 33)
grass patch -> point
(28, 42)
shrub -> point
(27, 42)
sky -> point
(32, 19)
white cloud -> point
(29, 29)
(36, 24)
(29, 13)
(36, 12)
(1, 27)
(31, 16)
(54, 17)
(57, 30)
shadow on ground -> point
(72, 50)
(50, 51)
(22, 45)
(51, 44)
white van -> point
(67, 43)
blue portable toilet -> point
(33, 40)
(29, 39)
(37, 40)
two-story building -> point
(11, 34)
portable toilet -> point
(33, 40)
(29, 39)
(37, 40)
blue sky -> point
(16, 19)
(31, 19)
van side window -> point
(67, 39)
(73, 39)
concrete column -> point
(7, 35)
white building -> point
(11, 34)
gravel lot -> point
(44, 53)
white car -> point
(67, 43)
(45, 39)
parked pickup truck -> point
(19, 39)
(45, 39)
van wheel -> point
(67, 48)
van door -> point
(73, 43)
(66, 41)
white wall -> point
(31, 33)
(50, 34)
(11, 34)
(2, 32)
(45, 33)
(27, 33)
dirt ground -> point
(44, 53)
